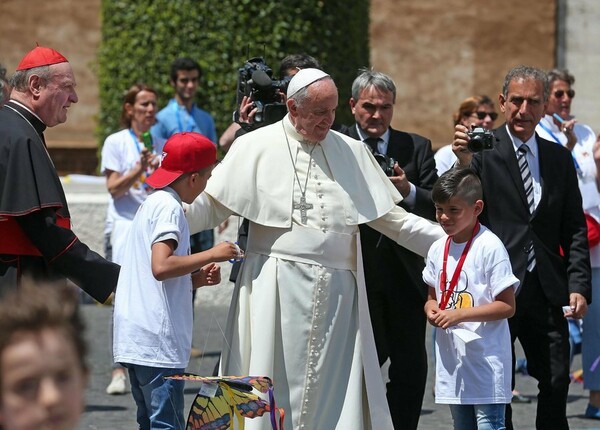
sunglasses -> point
(482, 115)
(559, 93)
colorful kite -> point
(220, 398)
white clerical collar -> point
(27, 109)
(531, 142)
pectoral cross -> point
(303, 206)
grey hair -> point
(370, 78)
(560, 75)
(525, 73)
(302, 94)
(20, 79)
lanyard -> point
(456, 275)
(136, 142)
(190, 119)
(557, 140)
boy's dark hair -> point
(461, 183)
(184, 63)
(33, 308)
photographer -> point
(533, 204)
(247, 109)
(395, 290)
(474, 111)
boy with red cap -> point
(34, 217)
(153, 303)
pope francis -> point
(299, 311)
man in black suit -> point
(395, 288)
(543, 227)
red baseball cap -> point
(41, 56)
(183, 153)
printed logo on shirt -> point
(460, 298)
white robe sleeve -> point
(205, 213)
(408, 230)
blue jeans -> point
(590, 344)
(478, 417)
(159, 401)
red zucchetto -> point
(41, 56)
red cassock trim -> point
(14, 242)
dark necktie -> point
(372, 142)
(528, 185)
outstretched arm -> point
(165, 265)
(408, 230)
(204, 213)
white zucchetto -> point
(304, 78)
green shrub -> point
(140, 39)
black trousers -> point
(543, 332)
(399, 325)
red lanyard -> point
(457, 270)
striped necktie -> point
(528, 185)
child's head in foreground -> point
(186, 164)
(457, 196)
(42, 359)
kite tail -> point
(274, 410)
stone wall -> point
(583, 58)
(438, 52)
(72, 27)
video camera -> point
(255, 81)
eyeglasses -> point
(483, 114)
(559, 93)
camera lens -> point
(475, 144)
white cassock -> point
(299, 313)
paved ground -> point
(106, 412)
(118, 412)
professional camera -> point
(480, 139)
(255, 81)
(386, 163)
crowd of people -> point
(355, 237)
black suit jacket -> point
(557, 223)
(415, 156)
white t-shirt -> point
(478, 372)
(121, 153)
(583, 152)
(153, 319)
(444, 159)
